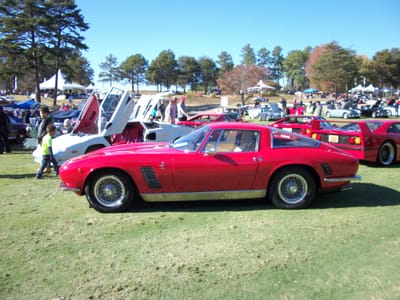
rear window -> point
(283, 139)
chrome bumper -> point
(65, 188)
(342, 179)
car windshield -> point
(283, 139)
(109, 104)
(192, 141)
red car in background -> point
(205, 118)
(375, 141)
(301, 124)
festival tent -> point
(357, 89)
(370, 89)
(62, 83)
(260, 86)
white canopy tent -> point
(260, 86)
(370, 89)
(62, 84)
(357, 89)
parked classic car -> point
(226, 160)
(345, 112)
(18, 132)
(375, 141)
(301, 123)
(271, 112)
(108, 123)
(375, 110)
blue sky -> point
(208, 27)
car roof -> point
(237, 125)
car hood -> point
(127, 149)
(86, 122)
(109, 117)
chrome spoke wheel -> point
(292, 188)
(109, 191)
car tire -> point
(386, 154)
(373, 114)
(110, 191)
(292, 187)
(345, 116)
(20, 136)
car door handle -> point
(257, 158)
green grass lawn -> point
(52, 245)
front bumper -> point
(64, 188)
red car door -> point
(231, 166)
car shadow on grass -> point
(361, 195)
(206, 206)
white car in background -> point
(109, 122)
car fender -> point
(67, 146)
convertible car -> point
(226, 160)
(346, 112)
(375, 141)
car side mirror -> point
(210, 152)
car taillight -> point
(355, 140)
(316, 136)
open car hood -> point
(86, 122)
(109, 117)
(145, 105)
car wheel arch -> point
(121, 175)
(290, 168)
(95, 172)
(392, 145)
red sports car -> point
(227, 160)
(370, 140)
(301, 123)
(205, 118)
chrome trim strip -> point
(199, 196)
(341, 179)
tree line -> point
(38, 37)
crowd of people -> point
(171, 112)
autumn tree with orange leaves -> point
(241, 78)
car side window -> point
(394, 128)
(233, 141)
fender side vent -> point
(150, 177)
(326, 168)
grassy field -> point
(53, 246)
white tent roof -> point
(358, 88)
(262, 85)
(370, 89)
(62, 84)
